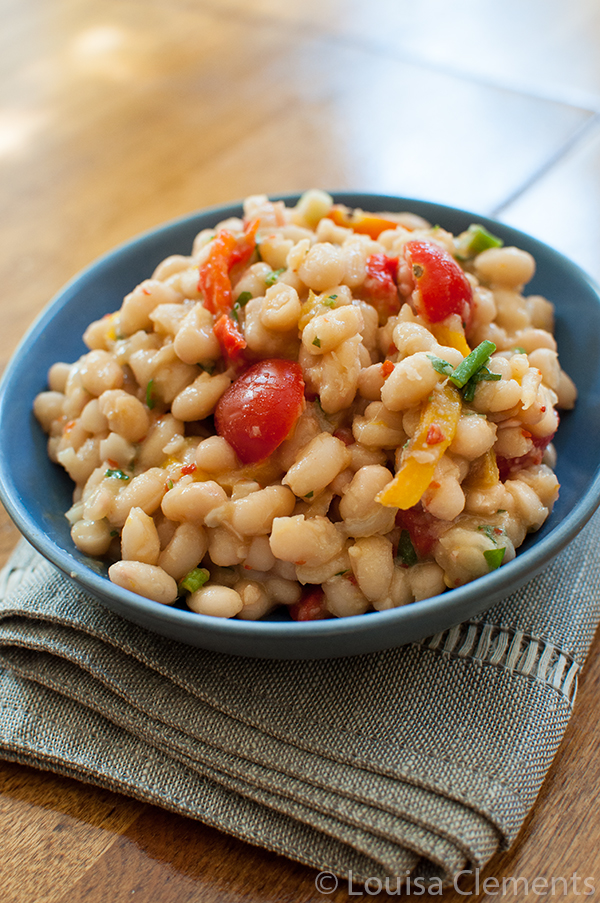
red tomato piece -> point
(509, 467)
(442, 288)
(421, 527)
(260, 409)
(311, 606)
(380, 288)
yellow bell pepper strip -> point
(452, 338)
(435, 432)
(359, 221)
(213, 276)
(484, 472)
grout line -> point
(583, 100)
(550, 163)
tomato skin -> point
(441, 286)
(260, 409)
(380, 286)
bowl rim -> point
(456, 604)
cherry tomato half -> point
(441, 286)
(260, 409)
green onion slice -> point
(475, 240)
(193, 580)
(472, 363)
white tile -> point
(562, 208)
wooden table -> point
(119, 115)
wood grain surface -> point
(116, 116)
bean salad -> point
(321, 408)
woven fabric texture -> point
(422, 760)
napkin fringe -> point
(512, 651)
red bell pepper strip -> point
(359, 221)
(213, 276)
(230, 339)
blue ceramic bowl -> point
(36, 492)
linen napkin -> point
(420, 761)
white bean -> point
(323, 267)
(198, 401)
(317, 465)
(139, 538)
(303, 540)
(193, 501)
(344, 598)
(411, 381)
(254, 514)
(185, 550)
(144, 579)
(371, 558)
(93, 537)
(362, 515)
(217, 601)
(510, 267)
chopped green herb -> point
(170, 484)
(439, 364)
(342, 573)
(475, 240)
(192, 581)
(240, 302)
(332, 297)
(116, 474)
(494, 557)
(406, 551)
(272, 278)
(114, 533)
(518, 350)
(470, 371)
(489, 532)
(150, 398)
(317, 341)
(310, 494)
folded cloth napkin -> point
(419, 761)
